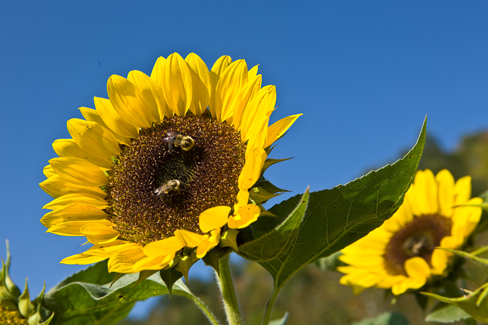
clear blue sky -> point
(363, 73)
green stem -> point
(269, 306)
(226, 285)
(202, 306)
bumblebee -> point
(165, 190)
(185, 142)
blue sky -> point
(363, 73)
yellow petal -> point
(259, 107)
(127, 101)
(67, 199)
(252, 169)
(78, 171)
(278, 129)
(73, 228)
(244, 216)
(231, 81)
(124, 260)
(73, 212)
(93, 138)
(243, 97)
(417, 267)
(48, 171)
(200, 82)
(98, 233)
(214, 218)
(190, 239)
(157, 73)
(163, 247)
(208, 244)
(253, 72)
(462, 190)
(426, 192)
(177, 86)
(439, 261)
(153, 263)
(56, 186)
(446, 192)
(69, 148)
(221, 64)
(82, 259)
(152, 97)
(114, 121)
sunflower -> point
(165, 165)
(401, 254)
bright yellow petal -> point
(446, 192)
(69, 148)
(417, 267)
(78, 171)
(93, 138)
(278, 129)
(231, 81)
(200, 83)
(163, 247)
(127, 101)
(157, 73)
(244, 216)
(208, 244)
(177, 86)
(426, 192)
(98, 233)
(73, 212)
(73, 228)
(124, 260)
(113, 120)
(213, 218)
(221, 64)
(82, 259)
(260, 106)
(56, 186)
(190, 239)
(462, 190)
(152, 97)
(67, 199)
(252, 169)
(243, 97)
(48, 171)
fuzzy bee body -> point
(165, 190)
(174, 139)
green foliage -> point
(447, 314)
(88, 297)
(389, 318)
(338, 217)
(271, 238)
(281, 321)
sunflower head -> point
(161, 172)
(403, 254)
(17, 308)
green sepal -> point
(330, 263)
(229, 239)
(4, 290)
(269, 239)
(169, 277)
(269, 162)
(8, 304)
(264, 212)
(186, 262)
(214, 255)
(281, 321)
(264, 191)
(471, 257)
(116, 278)
(11, 287)
(143, 275)
(26, 307)
(447, 314)
(475, 303)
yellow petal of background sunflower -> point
(445, 192)
(56, 186)
(69, 148)
(93, 138)
(462, 190)
(126, 99)
(78, 171)
(213, 218)
(426, 192)
(177, 85)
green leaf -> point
(95, 274)
(330, 263)
(281, 321)
(90, 304)
(272, 240)
(388, 318)
(447, 314)
(338, 217)
(475, 304)
(476, 259)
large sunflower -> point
(163, 166)
(401, 254)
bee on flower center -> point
(185, 142)
(165, 190)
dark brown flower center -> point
(170, 174)
(417, 238)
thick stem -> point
(229, 297)
(202, 306)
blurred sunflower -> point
(401, 253)
(165, 165)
